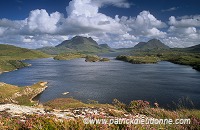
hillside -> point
(55, 50)
(195, 48)
(17, 53)
(142, 54)
(77, 44)
(152, 44)
(11, 56)
(192, 49)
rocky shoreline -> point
(21, 95)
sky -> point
(118, 23)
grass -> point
(69, 56)
(138, 59)
(88, 57)
(11, 57)
(10, 65)
(152, 56)
(92, 58)
(23, 96)
(7, 91)
(66, 103)
(20, 95)
(117, 109)
(95, 58)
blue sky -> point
(119, 23)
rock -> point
(65, 93)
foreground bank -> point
(69, 113)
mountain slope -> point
(77, 44)
(153, 44)
(195, 48)
(17, 53)
(11, 56)
(76, 41)
(81, 44)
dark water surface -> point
(103, 81)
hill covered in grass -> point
(18, 53)
(153, 44)
(192, 49)
(11, 57)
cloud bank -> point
(83, 18)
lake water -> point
(103, 81)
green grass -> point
(20, 95)
(95, 58)
(138, 59)
(153, 56)
(9, 65)
(11, 57)
(7, 91)
(66, 103)
(92, 58)
(88, 57)
(69, 56)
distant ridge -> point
(153, 44)
(195, 48)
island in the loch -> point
(18, 110)
(154, 50)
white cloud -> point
(170, 9)
(185, 22)
(41, 21)
(2, 30)
(183, 31)
(83, 18)
(145, 24)
(82, 7)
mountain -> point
(81, 44)
(77, 44)
(153, 44)
(104, 46)
(78, 41)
